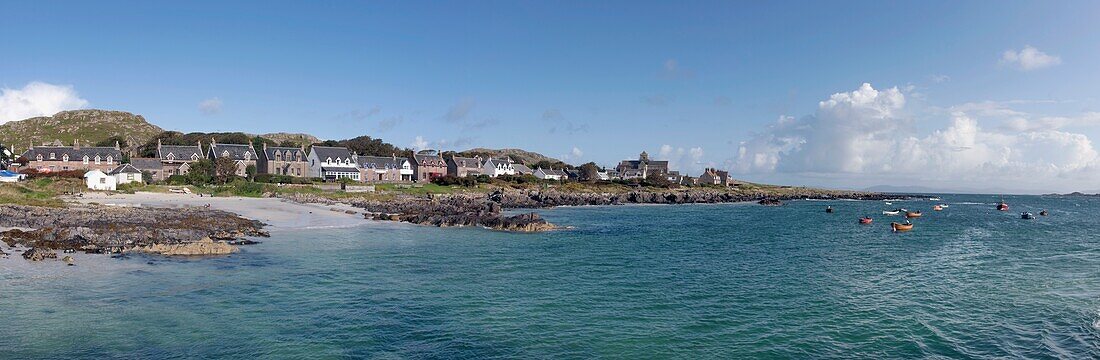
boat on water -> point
(912, 214)
(934, 199)
(944, 206)
(829, 209)
(865, 220)
(891, 213)
(889, 203)
(1026, 216)
(937, 208)
(901, 227)
(1043, 213)
(1002, 206)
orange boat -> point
(937, 208)
(912, 214)
(865, 220)
(1002, 206)
(901, 227)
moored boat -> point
(1002, 206)
(865, 220)
(829, 209)
(912, 214)
(1026, 216)
(937, 208)
(891, 213)
(901, 227)
(1043, 213)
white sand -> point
(278, 214)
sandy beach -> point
(277, 213)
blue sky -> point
(699, 83)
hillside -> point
(518, 155)
(297, 138)
(87, 126)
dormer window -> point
(328, 160)
(39, 157)
(65, 158)
(278, 156)
(225, 153)
(85, 159)
(171, 157)
(195, 157)
(53, 156)
(97, 159)
(247, 156)
(109, 160)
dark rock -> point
(36, 254)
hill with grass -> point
(517, 155)
(89, 127)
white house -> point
(125, 174)
(332, 163)
(549, 174)
(498, 167)
(98, 180)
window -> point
(109, 160)
(195, 157)
(278, 156)
(97, 159)
(53, 156)
(130, 177)
(225, 153)
(39, 157)
(65, 158)
(102, 180)
(171, 157)
(85, 159)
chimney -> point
(76, 144)
(158, 145)
(213, 143)
(116, 145)
(394, 156)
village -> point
(105, 168)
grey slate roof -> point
(145, 163)
(180, 152)
(236, 151)
(465, 162)
(380, 162)
(125, 169)
(429, 160)
(269, 153)
(339, 169)
(522, 169)
(335, 153)
(75, 154)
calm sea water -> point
(691, 281)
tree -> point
(224, 169)
(250, 170)
(200, 171)
(590, 172)
(110, 142)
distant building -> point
(572, 174)
(99, 180)
(332, 163)
(464, 166)
(497, 167)
(277, 160)
(550, 174)
(150, 166)
(522, 169)
(385, 169)
(642, 168)
(428, 165)
(76, 157)
(712, 176)
(242, 154)
(174, 160)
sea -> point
(723, 281)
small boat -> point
(892, 213)
(937, 208)
(865, 220)
(1002, 206)
(912, 214)
(1043, 213)
(901, 227)
(1026, 216)
(934, 199)
(944, 206)
(889, 203)
(829, 209)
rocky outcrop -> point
(203, 247)
(458, 210)
(36, 254)
(101, 229)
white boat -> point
(944, 206)
(892, 213)
(889, 203)
(934, 199)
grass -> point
(38, 192)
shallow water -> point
(690, 281)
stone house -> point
(522, 169)
(242, 154)
(385, 169)
(427, 166)
(76, 157)
(642, 168)
(289, 161)
(333, 163)
(464, 166)
(497, 167)
(712, 176)
(550, 174)
(174, 160)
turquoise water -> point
(690, 281)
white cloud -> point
(37, 99)
(419, 143)
(940, 78)
(1029, 58)
(866, 133)
(688, 161)
(577, 153)
(210, 106)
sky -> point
(953, 95)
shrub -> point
(177, 180)
(72, 174)
(449, 180)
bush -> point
(177, 180)
(250, 189)
(519, 179)
(450, 180)
(72, 174)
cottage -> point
(712, 176)
(497, 167)
(550, 174)
(242, 154)
(522, 169)
(277, 160)
(76, 157)
(385, 169)
(428, 165)
(99, 180)
(464, 166)
(332, 163)
(125, 174)
(642, 168)
(150, 166)
(174, 160)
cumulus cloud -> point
(419, 143)
(866, 132)
(37, 99)
(1029, 58)
(210, 106)
(576, 152)
(686, 160)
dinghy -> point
(892, 213)
(865, 220)
(912, 214)
(901, 227)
